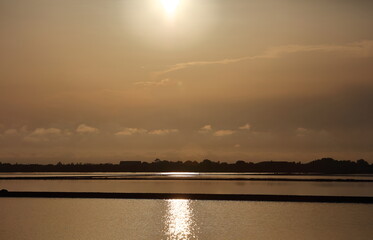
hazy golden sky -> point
(103, 81)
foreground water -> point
(92, 219)
(43, 219)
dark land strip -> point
(187, 178)
(192, 196)
(324, 165)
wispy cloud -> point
(46, 135)
(46, 131)
(354, 49)
(83, 128)
(160, 83)
(219, 133)
(205, 129)
(180, 66)
(245, 127)
(131, 131)
(163, 131)
(222, 133)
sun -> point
(170, 5)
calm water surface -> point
(193, 186)
(92, 219)
(225, 175)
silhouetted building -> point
(130, 163)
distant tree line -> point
(324, 165)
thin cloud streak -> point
(245, 127)
(161, 83)
(205, 129)
(355, 49)
(133, 131)
(222, 133)
(83, 128)
(46, 135)
(163, 131)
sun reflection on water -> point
(179, 222)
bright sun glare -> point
(170, 5)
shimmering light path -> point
(179, 222)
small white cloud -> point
(245, 127)
(222, 133)
(131, 131)
(46, 131)
(205, 129)
(46, 135)
(163, 131)
(82, 128)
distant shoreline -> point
(191, 196)
(322, 166)
(164, 178)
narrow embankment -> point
(160, 178)
(192, 196)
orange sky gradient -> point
(104, 81)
